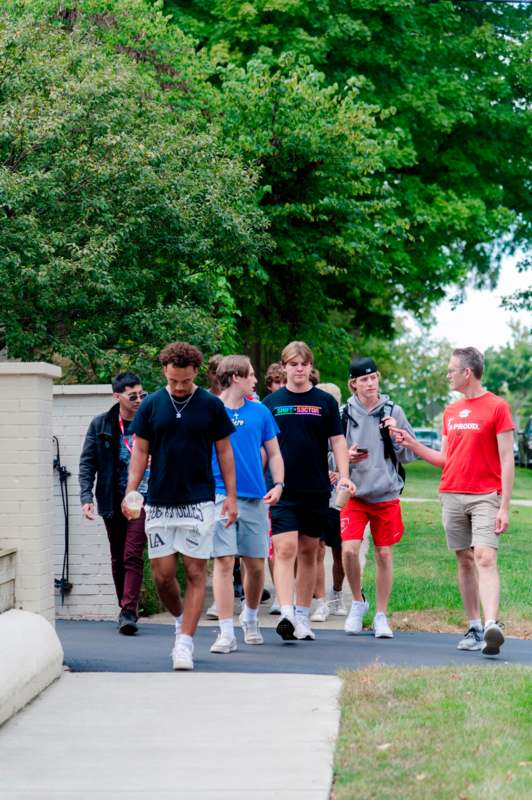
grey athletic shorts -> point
(248, 536)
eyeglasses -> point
(134, 396)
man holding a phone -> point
(375, 466)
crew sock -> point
(250, 614)
(490, 622)
(303, 611)
(227, 626)
(475, 623)
(287, 611)
(187, 641)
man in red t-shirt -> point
(475, 489)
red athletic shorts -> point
(385, 521)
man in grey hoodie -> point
(375, 466)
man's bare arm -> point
(226, 461)
(434, 457)
(505, 445)
(138, 463)
(276, 464)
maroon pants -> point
(126, 540)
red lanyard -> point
(126, 440)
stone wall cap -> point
(30, 368)
(83, 389)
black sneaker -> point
(493, 639)
(472, 640)
(127, 623)
(285, 628)
(265, 596)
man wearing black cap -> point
(375, 466)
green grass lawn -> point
(425, 573)
(443, 734)
(422, 481)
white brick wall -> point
(93, 595)
(26, 480)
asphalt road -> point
(97, 647)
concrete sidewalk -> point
(174, 736)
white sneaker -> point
(321, 612)
(275, 608)
(182, 656)
(212, 612)
(224, 644)
(336, 604)
(472, 640)
(252, 634)
(353, 623)
(381, 629)
(493, 639)
(302, 628)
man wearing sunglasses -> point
(105, 457)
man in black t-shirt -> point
(177, 427)
(307, 418)
(105, 458)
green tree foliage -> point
(122, 223)
(450, 82)
(319, 149)
(508, 371)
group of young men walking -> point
(222, 475)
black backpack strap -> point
(389, 450)
(346, 418)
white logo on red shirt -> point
(464, 413)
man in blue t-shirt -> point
(255, 434)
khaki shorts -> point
(469, 519)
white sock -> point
(303, 611)
(356, 603)
(227, 626)
(178, 623)
(475, 623)
(490, 622)
(250, 614)
(380, 614)
(320, 601)
(287, 611)
(187, 641)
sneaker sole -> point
(286, 629)
(466, 648)
(256, 641)
(182, 667)
(493, 641)
(319, 619)
(307, 638)
(384, 636)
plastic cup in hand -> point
(134, 502)
(342, 496)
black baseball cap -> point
(361, 366)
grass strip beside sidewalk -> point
(446, 733)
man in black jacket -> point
(105, 456)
